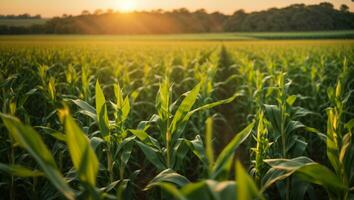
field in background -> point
(189, 37)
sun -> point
(126, 5)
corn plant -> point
(214, 187)
(337, 182)
(172, 129)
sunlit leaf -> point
(81, 152)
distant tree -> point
(98, 12)
(326, 5)
(201, 11)
(344, 8)
(109, 11)
(24, 16)
(85, 12)
(181, 10)
(157, 11)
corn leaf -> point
(30, 140)
(18, 170)
(152, 154)
(197, 148)
(184, 108)
(81, 152)
(169, 176)
(228, 152)
(306, 169)
(246, 188)
(209, 143)
(171, 189)
(101, 111)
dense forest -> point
(297, 17)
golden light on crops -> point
(126, 5)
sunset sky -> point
(49, 8)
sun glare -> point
(126, 5)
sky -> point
(50, 8)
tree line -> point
(21, 16)
(296, 17)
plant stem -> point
(109, 163)
(12, 158)
(168, 139)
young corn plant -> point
(83, 157)
(171, 126)
(113, 134)
(78, 146)
(338, 183)
(214, 187)
(219, 168)
(243, 188)
(261, 151)
(284, 122)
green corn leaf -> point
(200, 190)
(209, 143)
(206, 190)
(272, 114)
(210, 189)
(228, 152)
(163, 100)
(122, 188)
(291, 100)
(141, 134)
(30, 140)
(246, 188)
(306, 169)
(322, 136)
(332, 139)
(100, 99)
(101, 111)
(87, 109)
(18, 170)
(169, 176)
(152, 154)
(125, 109)
(183, 122)
(171, 189)
(119, 96)
(197, 148)
(222, 190)
(81, 152)
(54, 133)
(345, 146)
(184, 107)
(51, 88)
(321, 175)
(144, 137)
(212, 105)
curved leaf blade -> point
(30, 140)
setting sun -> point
(126, 5)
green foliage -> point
(82, 155)
(164, 120)
(30, 140)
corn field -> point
(177, 120)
